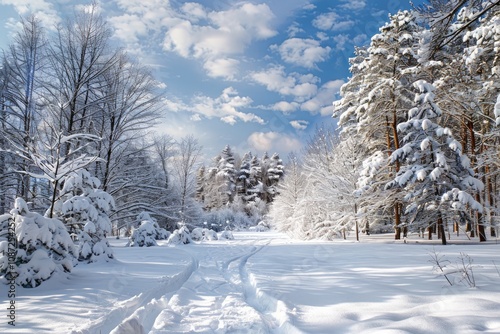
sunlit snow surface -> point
(267, 283)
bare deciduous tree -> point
(185, 165)
(22, 65)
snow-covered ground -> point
(267, 283)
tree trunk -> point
(480, 222)
(356, 220)
(489, 195)
(397, 206)
(479, 216)
(397, 221)
(493, 205)
(2, 173)
(441, 231)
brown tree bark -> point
(441, 232)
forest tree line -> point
(417, 147)
(72, 102)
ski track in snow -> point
(215, 293)
(143, 306)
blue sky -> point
(257, 75)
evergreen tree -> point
(243, 176)
(44, 246)
(255, 186)
(275, 173)
(85, 210)
(147, 232)
(432, 166)
(227, 175)
(483, 63)
(373, 105)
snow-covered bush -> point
(200, 234)
(144, 235)
(220, 219)
(160, 233)
(44, 246)
(147, 233)
(85, 211)
(197, 234)
(262, 226)
(227, 235)
(209, 234)
(180, 236)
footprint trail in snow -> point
(214, 294)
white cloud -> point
(195, 118)
(276, 80)
(322, 36)
(303, 52)
(178, 126)
(141, 20)
(89, 8)
(354, 4)
(223, 67)
(299, 124)
(44, 10)
(194, 11)
(285, 107)
(273, 142)
(294, 29)
(227, 33)
(323, 101)
(253, 20)
(360, 39)
(213, 37)
(340, 41)
(180, 39)
(129, 28)
(332, 21)
(226, 107)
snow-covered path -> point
(267, 283)
(216, 298)
(214, 293)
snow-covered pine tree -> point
(461, 40)
(373, 104)
(434, 173)
(85, 209)
(481, 57)
(200, 184)
(211, 186)
(44, 246)
(255, 186)
(264, 180)
(275, 173)
(147, 232)
(243, 175)
(180, 236)
(227, 175)
(47, 155)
